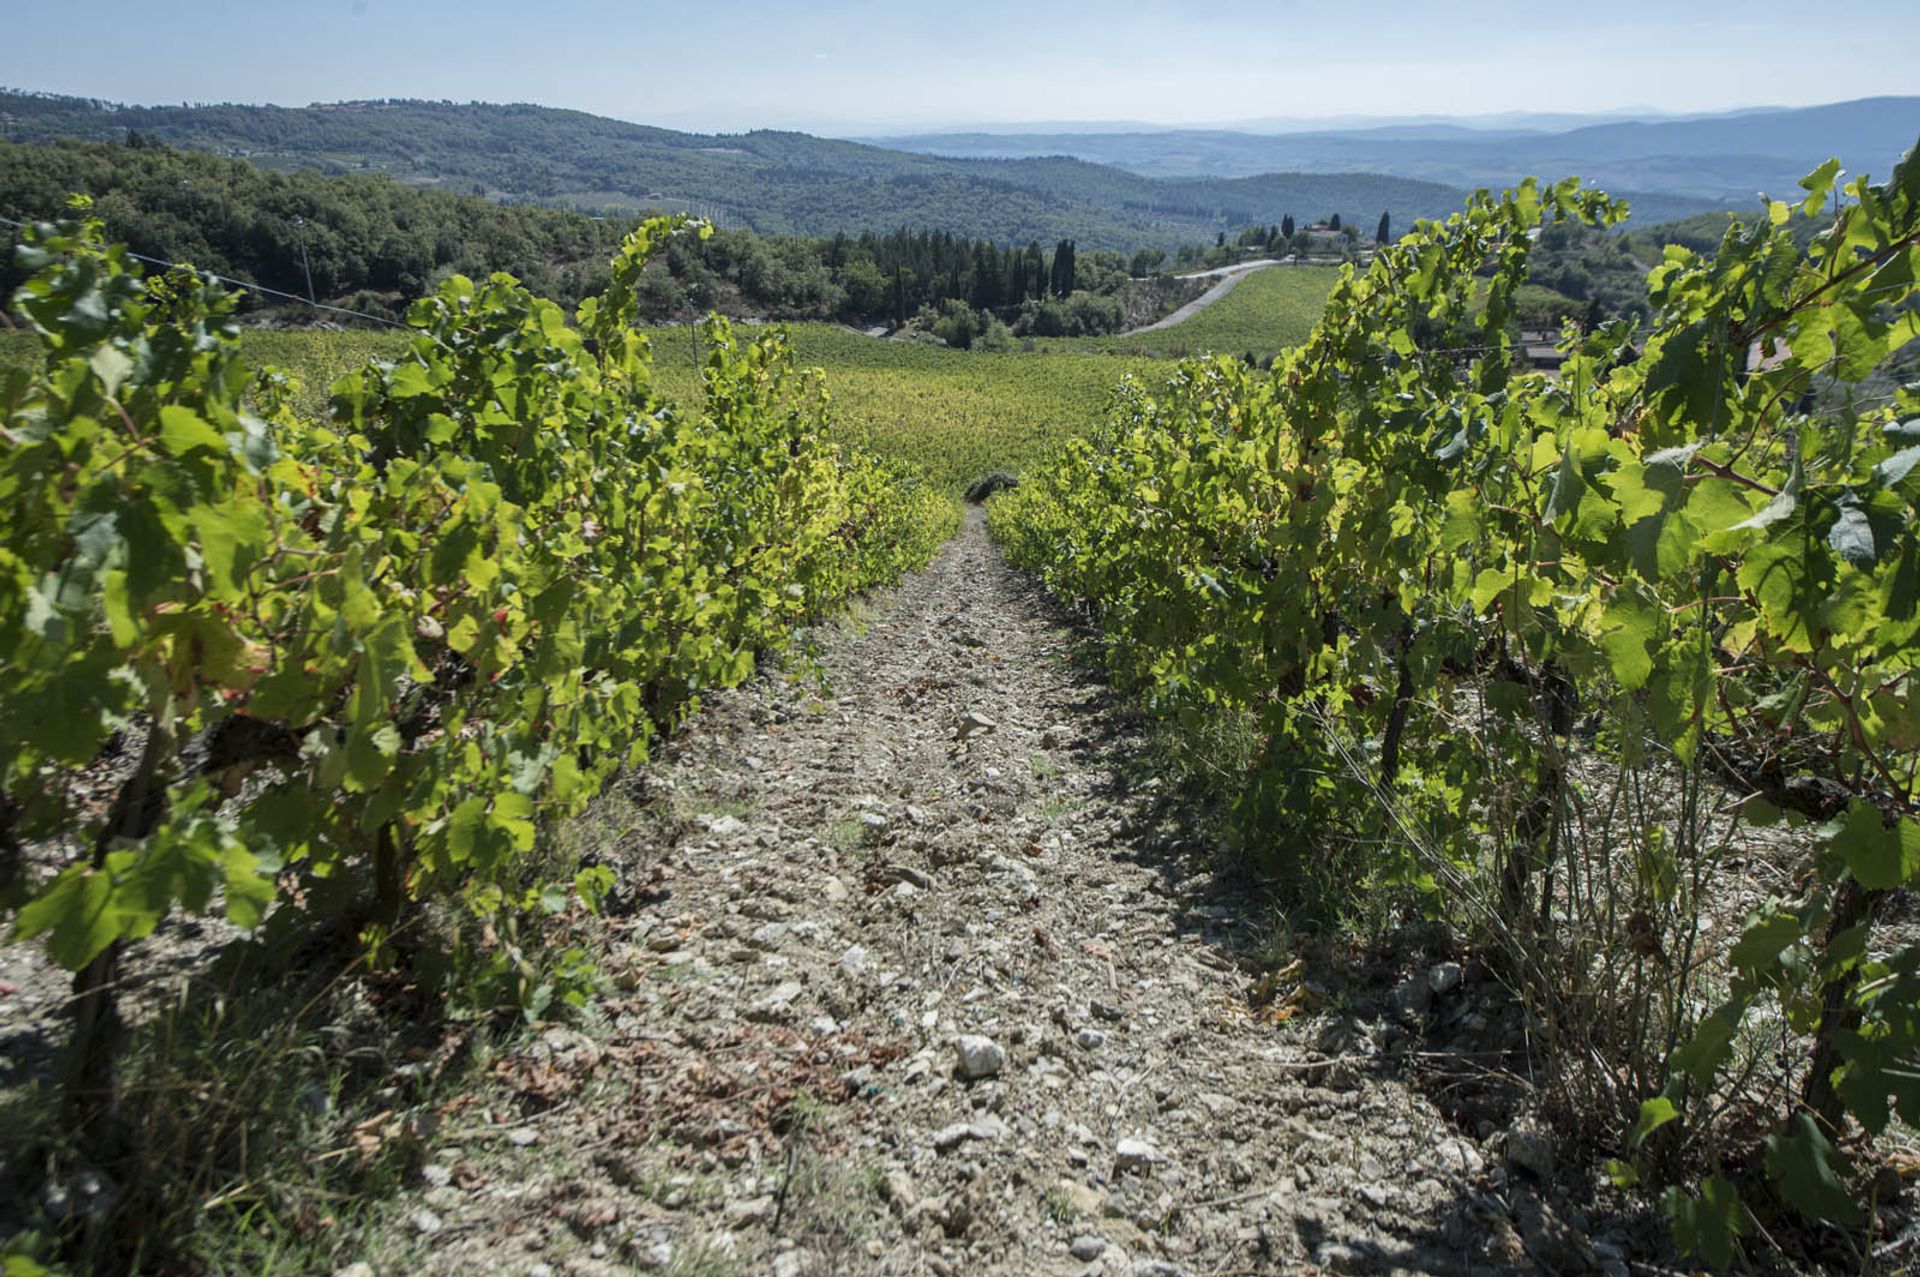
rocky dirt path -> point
(927, 978)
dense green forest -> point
(367, 240)
(775, 182)
(373, 244)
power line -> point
(243, 284)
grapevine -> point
(366, 660)
(1418, 570)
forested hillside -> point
(764, 180)
(372, 244)
(365, 241)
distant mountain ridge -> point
(1722, 159)
(767, 180)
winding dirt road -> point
(1229, 277)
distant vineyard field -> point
(955, 414)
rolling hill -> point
(1668, 168)
(765, 180)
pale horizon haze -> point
(864, 66)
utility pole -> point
(300, 225)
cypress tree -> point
(1380, 235)
(1063, 273)
(988, 277)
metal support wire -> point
(253, 288)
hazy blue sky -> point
(865, 63)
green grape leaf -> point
(466, 826)
(411, 380)
(1633, 624)
(1715, 507)
(1782, 578)
(1488, 586)
(67, 716)
(1877, 1074)
(370, 752)
(1677, 689)
(76, 913)
(1654, 1114)
(1711, 1225)
(123, 622)
(249, 886)
(1685, 366)
(1879, 858)
(1644, 489)
(183, 431)
(1818, 186)
(1763, 941)
(252, 445)
(386, 657)
(230, 534)
(1800, 1162)
(111, 365)
(464, 634)
(512, 815)
(176, 866)
(1569, 485)
(1711, 1044)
